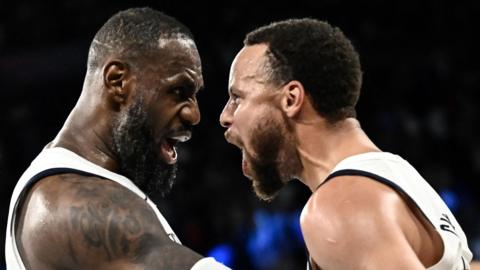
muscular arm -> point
(475, 265)
(359, 224)
(77, 222)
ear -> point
(115, 78)
(293, 95)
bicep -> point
(347, 229)
(109, 227)
(360, 246)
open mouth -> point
(168, 145)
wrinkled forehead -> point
(181, 49)
(249, 64)
(179, 40)
(179, 54)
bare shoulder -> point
(347, 198)
(84, 222)
(353, 216)
(475, 265)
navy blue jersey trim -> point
(397, 188)
(50, 172)
(353, 172)
(54, 171)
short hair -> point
(134, 33)
(319, 56)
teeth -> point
(174, 155)
(181, 137)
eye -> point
(235, 99)
(177, 91)
(182, 93)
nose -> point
(190, 113)
(226, 117)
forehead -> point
(175, 56)
(248, 65)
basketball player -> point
(82, 203)
(293, 89)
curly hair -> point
(319, 56)
(134, 33)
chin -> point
(265, 193)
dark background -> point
(421, 72)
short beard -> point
(136, 150)
(276, 161)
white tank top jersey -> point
(397, 173)
(55, 161)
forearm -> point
(174, 257)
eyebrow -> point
(233, 90)
(200, 87)
(188, 73)
(188, 78)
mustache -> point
(183, 129)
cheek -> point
(244, 120)
(159, 122)
(252, 124)
(267, 124)
(158, 128)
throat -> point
(314, 170)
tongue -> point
(169, 152)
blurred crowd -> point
(421, 72)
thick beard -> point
(138, 157)
(276, 161)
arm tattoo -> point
(111, 219)
(109, 223)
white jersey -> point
(397, 173)
(55, 161)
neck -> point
(321, 146)
(87, 132)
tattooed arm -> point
(76, 222)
